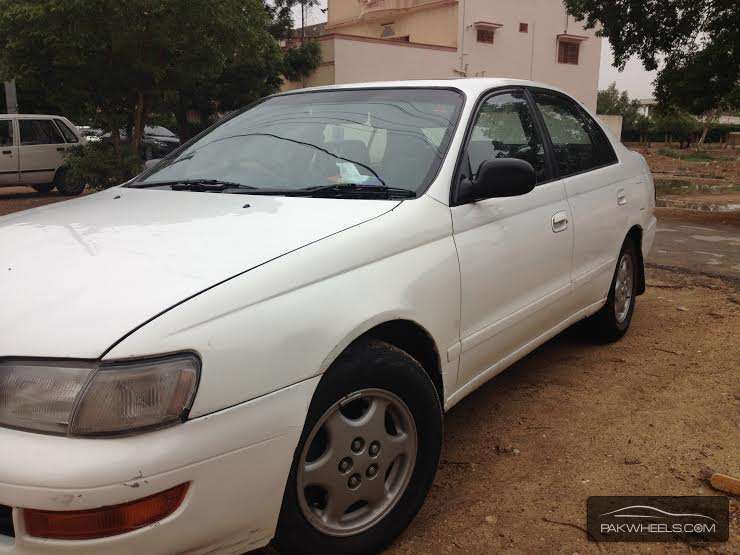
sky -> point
(634, 79)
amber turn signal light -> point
(105, 521)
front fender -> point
(288, 320)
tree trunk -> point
(140, 115)
(183, 128)
(704, 131)
(115, 139)
(706, 123)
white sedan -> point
(258, 337)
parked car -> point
(32, 149)
(91, 134)
(156, 143)
(259, 336)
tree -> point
(698, 41)
(688, 81)
(248, 72)
(676, 124)
(117, 60)
(612, 101)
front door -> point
(8, 153)
(515, 253)
(41, 150)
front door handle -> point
(7, 152)
(560, 221)
(621, 197)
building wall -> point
(358, 60)
(531, 55)
(426, 24)
(451, 23)
(613, 122)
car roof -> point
(33, 116)
(469, 85)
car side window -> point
(578, 142)
(505, 128)
(6, 132)
(69, 136)
(39, 132)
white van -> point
(32, 149)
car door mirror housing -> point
(499, 177)
(148, 164)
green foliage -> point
(99, 166)
(301, 61)
(112, 62)
(670, 152)
(698, 41)
(676, 124)
(612, 101)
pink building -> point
(378, 40)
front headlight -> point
(84, 398)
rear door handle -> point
(60, 149)
(560, 221)
(621, 197)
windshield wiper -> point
(341, 189)
(197, 185)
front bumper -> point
(236, 460)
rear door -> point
(8, 153)
(597, 193)
(41, 150)
(515, 252)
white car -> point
(32, 151)
(258, 337)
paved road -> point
(710, 246)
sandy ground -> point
(13, 199)
(665, 399)
(574, 419)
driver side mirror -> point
(499, 177)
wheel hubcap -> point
(357, 462)
(623, 288)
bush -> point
(671, 153)
(99, 166)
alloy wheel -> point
(357, 462)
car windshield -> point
(362, 138)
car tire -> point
(65, 186)
(368, 375)
(43, 189)
(613, 320)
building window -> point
(485, 35)
(524, 27)
(568, 52)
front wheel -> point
(65, 185)
(613, 320)
(367, 455)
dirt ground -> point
(573, 419)
(13, 199)
(639, 417)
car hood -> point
(77, 276)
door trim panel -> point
(479, 379)
(481, 336)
